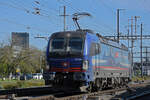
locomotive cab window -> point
(75, 43)
(57, 44)
(95, 49)
(66, 46)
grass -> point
(138, 78)
(11, 84)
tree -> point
(6, 59)
(27, 60)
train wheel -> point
(114, 86)
(47, 82)
(98, 85)
(90, 88)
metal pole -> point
(132, 41)
(146, 61)
(128, 33)
(118, 22)
(118, 25)
(64, 18)
(40, 63)
(136, 22)
(64, 15)
(141, 51)
(146, 55)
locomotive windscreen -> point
(66, 44)
(57, 44)
(75, 44)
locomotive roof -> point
(112, 42)
(66, 33)
(81, 33)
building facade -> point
(20, 40)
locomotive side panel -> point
(111, 62)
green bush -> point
(34, 83)
(31, 83)
(10, 86)
(137, 78)
(20, 84)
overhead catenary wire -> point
(18, 4)
(49, 8)
(110, 9)
(42, 12)
(16, 7)
(45, 13)
(23, 25)
(71, 6)
(78, 10)
(54, 16)
(105, 5)
(30, 11)
(113, 10)
(30, 8)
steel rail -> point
(59, 94)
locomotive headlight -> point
(85, 65)
(47, 67)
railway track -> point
(49, 93)
(28, 91)
(36, 92)
(63, 95)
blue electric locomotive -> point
(85, 60)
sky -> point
(21, 16)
